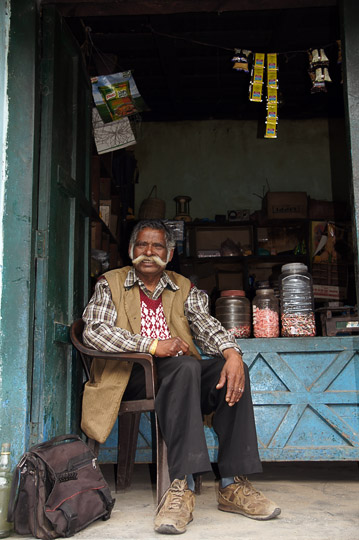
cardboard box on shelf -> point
(330, 274)
(105, 211)
(328, 210)
(329, 292)
(286, 204)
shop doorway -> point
(62, 243)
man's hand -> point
(233, 374)
(171, 347)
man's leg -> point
(237, 449)
(178, 407)
(234, 426)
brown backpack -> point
(58, 489)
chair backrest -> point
(76, 339)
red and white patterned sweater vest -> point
(153, 320)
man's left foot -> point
(242, 498)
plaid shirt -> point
(102, 334)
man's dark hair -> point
(157, 225)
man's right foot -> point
(242, 498)
(175, 509)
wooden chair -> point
(129, 414)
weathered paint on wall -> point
(19, 224)
(223, 165)
(4, 49)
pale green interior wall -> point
(223, 165)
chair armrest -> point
(87, 354)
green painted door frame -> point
(19, 213)
(37, 369)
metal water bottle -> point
(5, 487)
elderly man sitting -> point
(144, 308)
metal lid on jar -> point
(233, 292)
(294, 267)
(265, 291)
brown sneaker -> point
(242, 498)
(175, 509)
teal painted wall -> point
(19, 223)
(223, 165)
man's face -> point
(151, 243)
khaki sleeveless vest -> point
(103, 392)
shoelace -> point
(177, 491)
(247, 487)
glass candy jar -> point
(233, 310)
(265, 308)
(296, 301)
(5, 488)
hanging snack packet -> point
(116, 96)
(318, 70)
(272, 61)
(271, 130)
(272, 112)
(118, 100)
(257, 75)
(272, 97)
(259, 60)
(240, 60)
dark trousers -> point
(186, 392)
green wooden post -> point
(19, 216)
(350, 46)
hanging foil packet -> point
(240, 60)
(272, 97)
(116, 96)
(318, 70)
(257, 77)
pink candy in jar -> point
(265, 309)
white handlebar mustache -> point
(157, 260)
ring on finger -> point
(180, 352)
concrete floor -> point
(319, 501)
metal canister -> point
(233, 310)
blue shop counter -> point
(305, 393)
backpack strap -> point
(109, 502)
(56, 440)
(71, 519)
